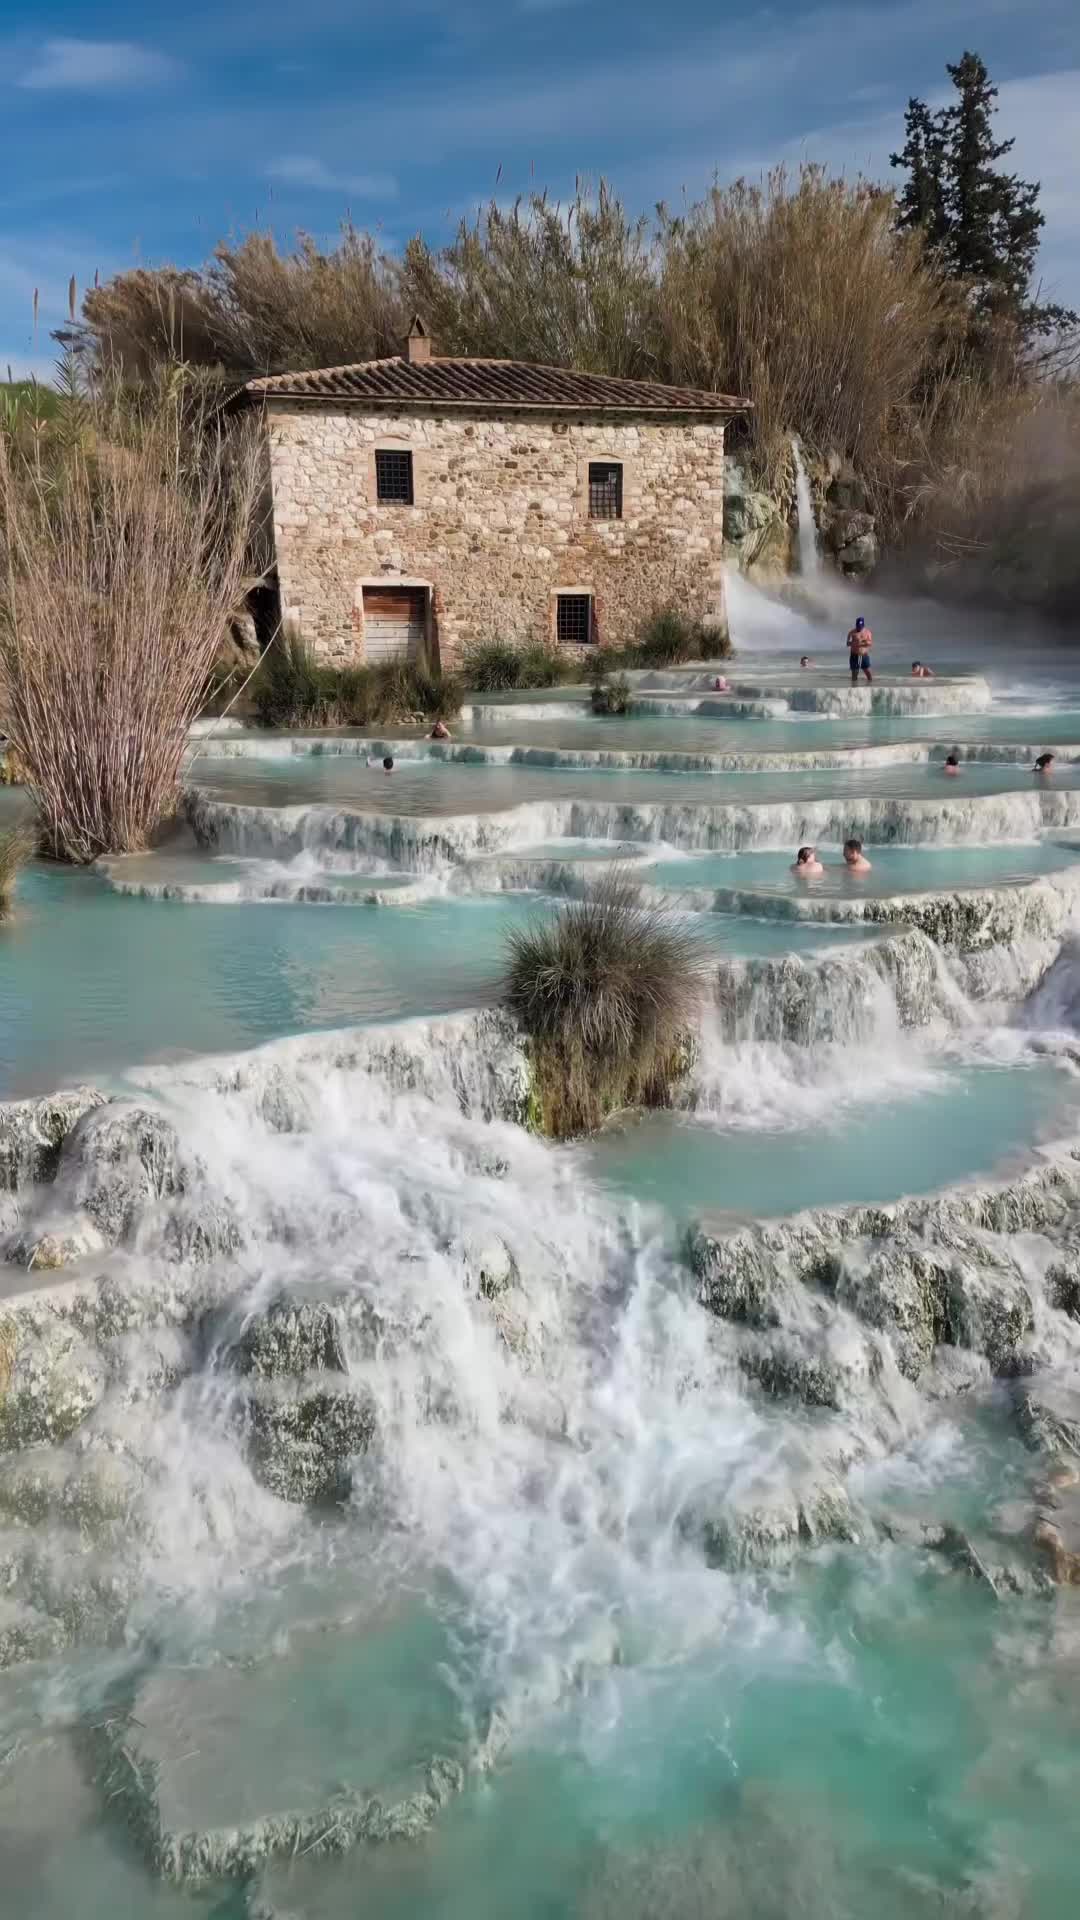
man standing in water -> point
(859, 641)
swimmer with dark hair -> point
(807, 865)
(854, 858)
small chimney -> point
(418, 344)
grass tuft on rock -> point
(611, 693)
(606, 990)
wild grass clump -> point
(610, 693)
(292, 689)
(124, 542)
(606, 990)
(541, 666)
(17, 845)
(497, 666)
(670, 639)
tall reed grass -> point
(122, 555)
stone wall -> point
(500, 522)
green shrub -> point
(540, 666)
(497, 666)
(670, 639)
(17, 844)
(291, 689)
(491, 666)
(611, 694)
(606, 990)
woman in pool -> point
(854, 859)
(807, 865)
(1044, 763)
(952, 765)
(440, 731)
(721, 685)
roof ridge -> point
(484, 381)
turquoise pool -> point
(866, 1150)
(92, 981)
(623, 1628)
(433, 788)
(892, 870)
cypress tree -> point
(921, 200)
(983, 224)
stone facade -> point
(500, 521)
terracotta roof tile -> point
(491, 384)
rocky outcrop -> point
(116, 1162)
(835, 996)
(925, 1271)
(33, 1131)
(759, 525)
(851, 539)
(304, 1436)
(193, 1834)
(757, 533)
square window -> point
(573, 619)
(394, 477)
(605, 490)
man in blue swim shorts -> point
(859, 641)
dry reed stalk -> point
(122, 559)
(18, 844)
(799, 294)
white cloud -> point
(304, 170)
(95, 66)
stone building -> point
(421, 500)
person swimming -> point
(952, 764)
(854, 859)
(1044, 763)
(806, 661)
(859, 641)
(388, 763)
(807, 865)
(919, 672)
(440, 731)
(720, 685)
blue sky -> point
(130, 134)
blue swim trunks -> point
(857, 660)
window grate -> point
(394, 478)
(605, 490)
(573, 619)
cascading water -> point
(810, 566)
(676, 1522)
(406, 1459)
